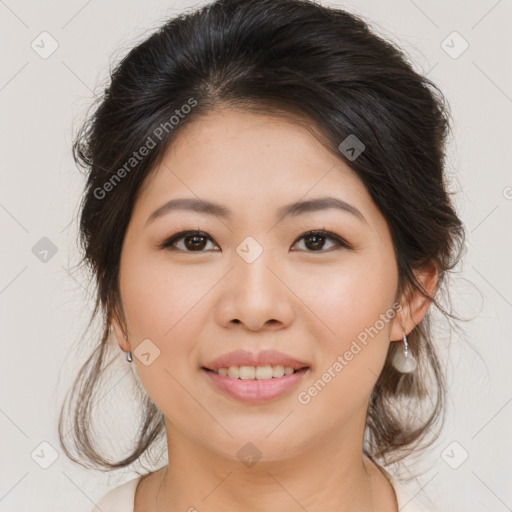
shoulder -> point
(407, 501)
(122, 498)
(119, 499)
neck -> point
(323, 476)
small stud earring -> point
(404, 361)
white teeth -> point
(246, 372)
(264, 372)
(277, 371)
(255, 372)
(233, 372)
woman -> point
(268, 223)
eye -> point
(315, 240)
(194, 241)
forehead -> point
(251, 162)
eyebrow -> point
(289, 210)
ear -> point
(119, 333)
(414, 304)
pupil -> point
(316, 244)
(194, 244)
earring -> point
(404, 361)
(129, 357)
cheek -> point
(352, 294)
(352, 303)
(349, 306)
(159, 306)
(157, 296)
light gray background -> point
(44, 307)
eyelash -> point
(167, 244)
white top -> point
(122, 498)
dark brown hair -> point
(326, 67)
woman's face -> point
(255, 279)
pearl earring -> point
(404, 361)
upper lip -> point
(263, 358)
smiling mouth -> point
(256, 372)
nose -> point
(256, 295)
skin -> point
(310, 303)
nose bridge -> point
(256, 294)
(252, 262)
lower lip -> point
(256, 391)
